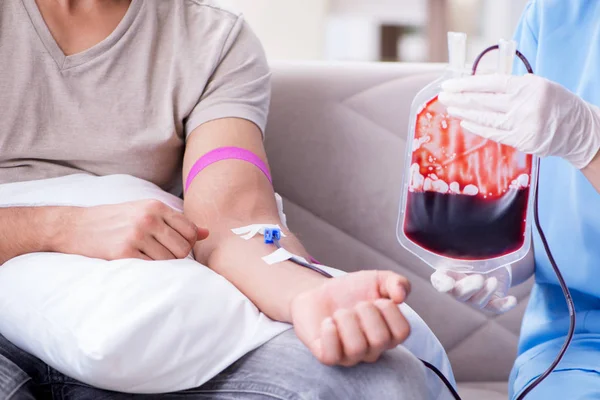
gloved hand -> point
(485, 292)
(529, 113)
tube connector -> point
(506, 57)
(457, 51)
(272, 234)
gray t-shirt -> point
(126, 105)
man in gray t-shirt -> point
(127, 104)
(146, 88)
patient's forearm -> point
(270, 287)
(26, 230)
(232, 194)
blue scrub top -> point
(561, 39)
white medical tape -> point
(250, 231)
(281, 255)
(282, 215)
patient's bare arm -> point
(26, 230)
(232, 194)
(343, 321)
(145, 229)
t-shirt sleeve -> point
(240, 86)
(527, 37)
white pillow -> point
(137, 326)
(128, 325)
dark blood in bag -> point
(467, 196)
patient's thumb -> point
(202, 233)
(393, 286)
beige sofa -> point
(336, 141)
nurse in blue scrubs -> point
(554, 115)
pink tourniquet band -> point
(226, 153)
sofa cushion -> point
(483, 391)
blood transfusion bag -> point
(466, 200)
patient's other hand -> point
(146, 229)
(353, 318)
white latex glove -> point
(485, 292)
(529, 113)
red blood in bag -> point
(467, 196)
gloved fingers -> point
(442, 281)
(483, 297)
(476, 101)
(493, 134)
(494, 83)
(457, 276)
(504, 274)
(467, 287)
(490, 119)
(501, 305)
(521, 141)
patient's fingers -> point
(155, 250)
(179, 246)
(395, 320)
(202, 233)
(354, 342)
(375, 328)
(184, 227)
(393, 286)
(330, 346)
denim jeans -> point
(281, 369)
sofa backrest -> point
(336, 140)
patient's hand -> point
(146, 229)
(353, 318)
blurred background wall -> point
(376, 30)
